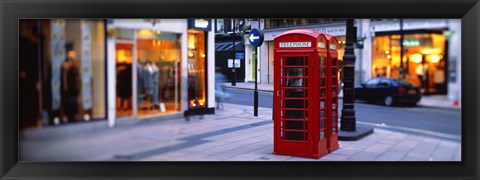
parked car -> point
(388, 91)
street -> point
(245, 97)
(440, 123)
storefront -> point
(62, 71)
(198, 46)
(225, 49)
(160, 69)
(229, 45)
(429, 59)
(423, 59)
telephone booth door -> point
(332, 125)
(292, 104)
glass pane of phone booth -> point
(294, 102)
(322, 87)
(334, 95)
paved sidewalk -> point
(232, 134)
(433, 101)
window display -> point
(158, 72)
(196, 69)
(68, 57)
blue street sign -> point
(255, 37)
(239, 56)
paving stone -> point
(378, 148)
(273, 157)
(335, 157)
(346, 152)
(363, 156)
(445, 151)
(392, 155)
(301, 159)
(458, 154)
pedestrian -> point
(422, 73)
(419, 72)
(220, 94)
(439, 77)
(124, 84)
(70, 84)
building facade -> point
(48, 83)
(431, 53)
(170, 63)
(230, 45)
(431, 50)
(116, 70)
(274, 27)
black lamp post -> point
(348, 119)
(348, 124)
(255, 92)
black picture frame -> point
(11, 11)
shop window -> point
(70, 69)
(313, 21)
(220, 26)
(158, 72)
(196, 69)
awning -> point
(227, 46)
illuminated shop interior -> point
(42, 52)
(196, 69)
(155, 57)
(124, 60)
(423, 55)
(158, 72)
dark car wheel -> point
(388, 101)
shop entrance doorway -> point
(124, 59)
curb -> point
(341, 97)
(230, 87)
(439, 107)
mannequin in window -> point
(155, 83)
(70, 84)
(140, 82)
(151, 81)
(170, 84)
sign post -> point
(255, 38)
(234, 74)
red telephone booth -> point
(300, 94)
(332, 111)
